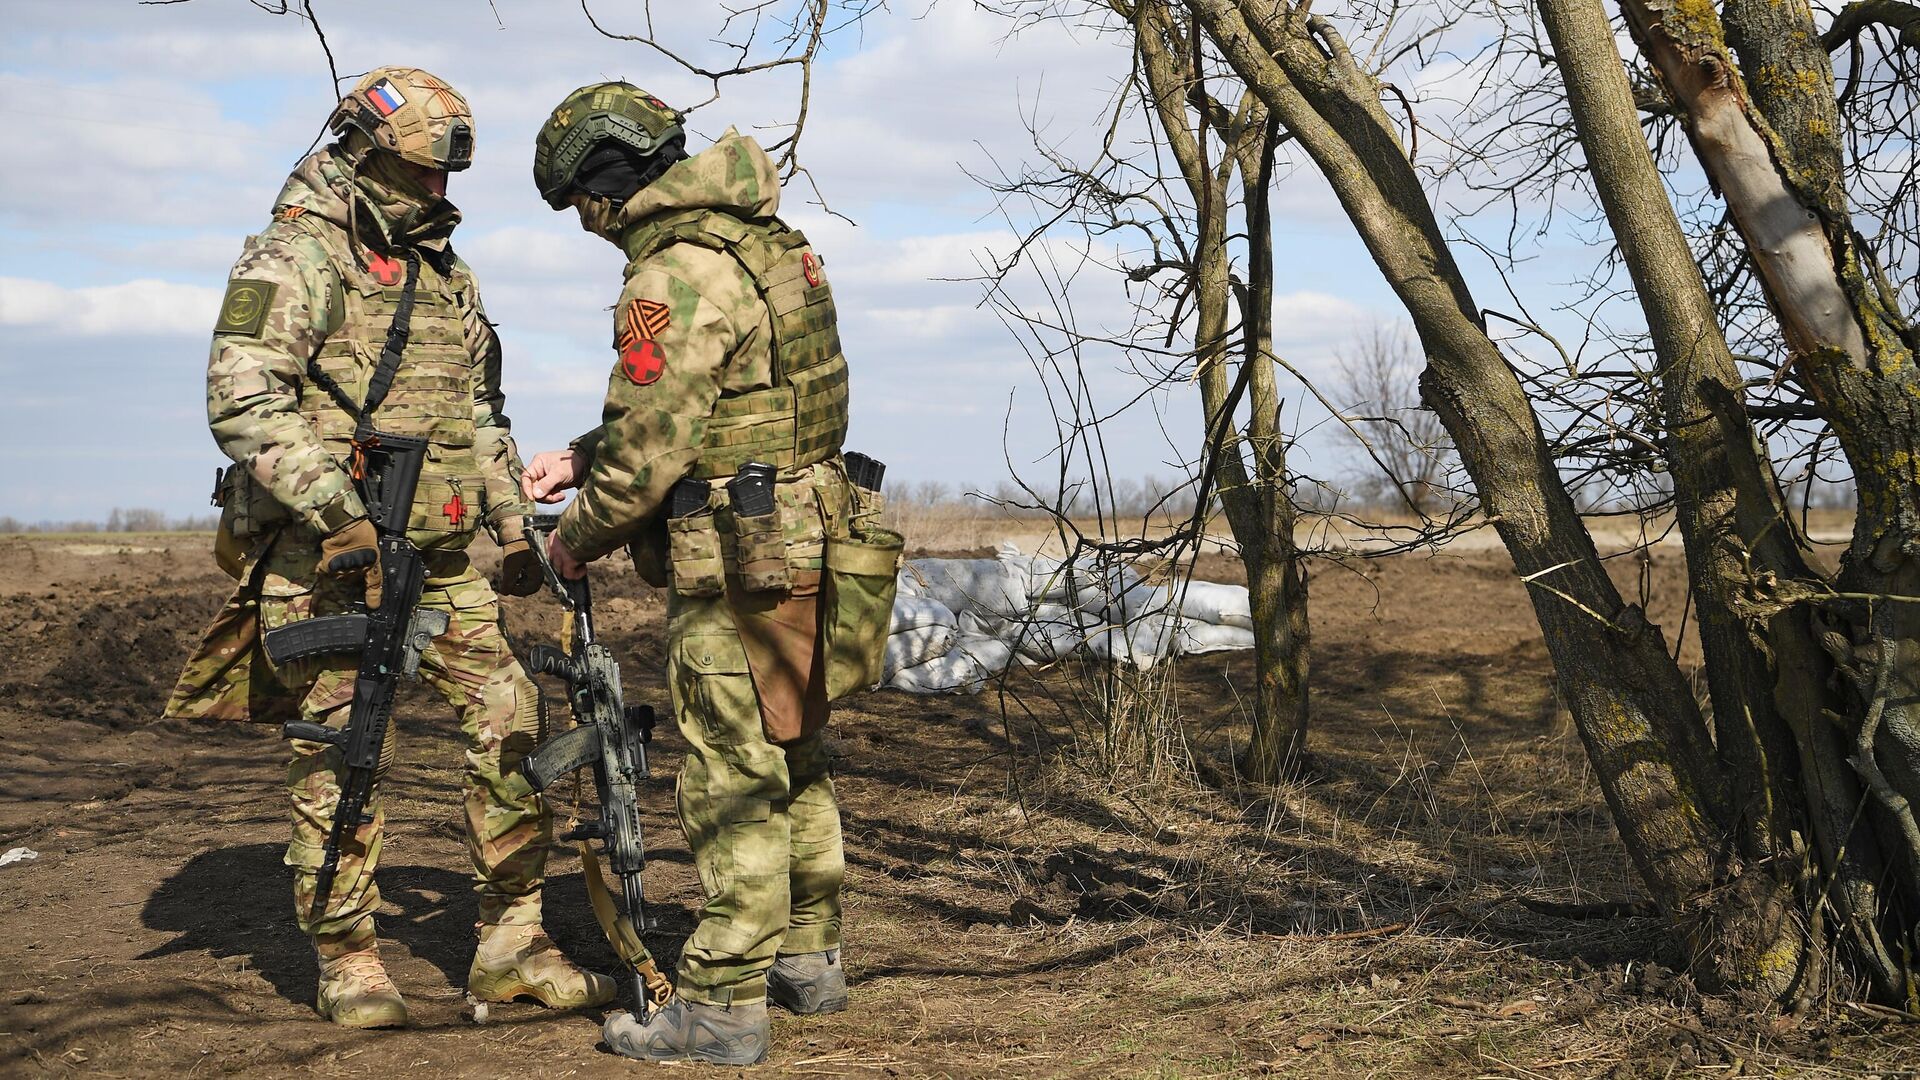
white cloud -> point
(140, 308)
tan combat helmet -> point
(412, 114)
(608, 112)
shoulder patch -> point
(244, 309)
(645, 319)
(642, 362)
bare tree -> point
(1783, 827)
(1380, 385)
(766, 37)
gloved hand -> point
(520, 573)
(355, 548)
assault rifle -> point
(389, 639)
(612, 737)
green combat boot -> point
(355, 991)
(808, 983)
(683, 1030)
(517, 960)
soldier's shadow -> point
(236, 902)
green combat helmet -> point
(412, 114)
(591, 116)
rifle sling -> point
(620, 930)
(383, 373)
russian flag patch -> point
(385, 97)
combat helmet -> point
(412, 114)
(593, 119)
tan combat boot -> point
(355, 991)
(518, 960)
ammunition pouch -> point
(693, 544)
(760, 551)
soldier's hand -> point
(355, 549)
(563, 559)
(520, 573)
(550, 473)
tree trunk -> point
(1771, 149)
(1731, 532)
(1278, 588)
(1257, 501)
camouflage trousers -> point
(509, 829)
(760, 819)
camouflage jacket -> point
(689, 328)
(285, 301)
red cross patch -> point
(642, 361)
(455, 509)
(384, 269)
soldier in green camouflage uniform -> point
(727, 353)
(309, 304)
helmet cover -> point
(411, 114)
(590, 116)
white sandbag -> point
(1141, 600)
(1197, 638)
(1051, 632)
(954, 673)
(963, 585)
(1142, 643)
(991, 653)
(976, 621)
(911, 648)
(1216, 603)
(913, 612)
(1084, 584)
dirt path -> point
(1026, 923)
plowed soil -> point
(1011, 911)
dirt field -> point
(1007, 914)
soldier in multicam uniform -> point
(306, 312)
(727, 354)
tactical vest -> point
(802, 418)
(432, 393)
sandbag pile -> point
(959, 622)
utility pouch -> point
(693, 542)
(760, 544)
(857, 592)
(247, 513)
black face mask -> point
(616, 171)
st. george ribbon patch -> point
(646, 319)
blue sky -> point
(145, 143)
